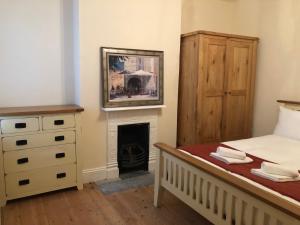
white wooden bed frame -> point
(219, 196)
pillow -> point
(288, 124)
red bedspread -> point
(290, 189)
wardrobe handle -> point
(20, 125)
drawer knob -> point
(59, 122)
(21, 142)
(61, 175)
(24, 182)
(59, 138)
(60, 155)
(22, 160)
(20, 125)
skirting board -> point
(102, 173)
(93, 175)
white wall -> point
(138, 24)
(212, 15)
(49, 54)
(279, 67)
(36, 65)
(276, 23)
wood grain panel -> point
(236, 117)
(238, 83)
(238, 67)
(188, 79)
(33, 110)
(289, 102)
(211, 125)
(218, 34)
(211, 88)
(91, 207)
(214, 65)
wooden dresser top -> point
(33, 110)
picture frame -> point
(131, 77)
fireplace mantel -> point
(132, 108)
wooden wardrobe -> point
(216, 87)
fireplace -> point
(133, 147)
(123, 118)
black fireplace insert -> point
(133, 147)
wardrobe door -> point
(211, 88)
(187, 99)
(237, 103)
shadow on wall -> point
(67, 50)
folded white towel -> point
(273, 177)
(227, 152)
(276, 169)
(229, 160)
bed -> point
(224, 197)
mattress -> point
(272, 148)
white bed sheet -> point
(273, 148)
(270, 147)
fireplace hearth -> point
(133, 147)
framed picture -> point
(131, 77)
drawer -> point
(35, 180)
(58, 121)
(38, 140)
(19, 125)
(28, 159)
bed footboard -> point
(215, 199)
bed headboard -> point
(294, 105)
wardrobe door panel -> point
(235, 117)
(215, 68)
(238, 86)
(238, 67)
(187, 99)
(211, 88)
(211, 120)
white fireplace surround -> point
(115, 119)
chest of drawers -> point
(39, 150)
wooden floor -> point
(91, 207)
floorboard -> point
(91, 207)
